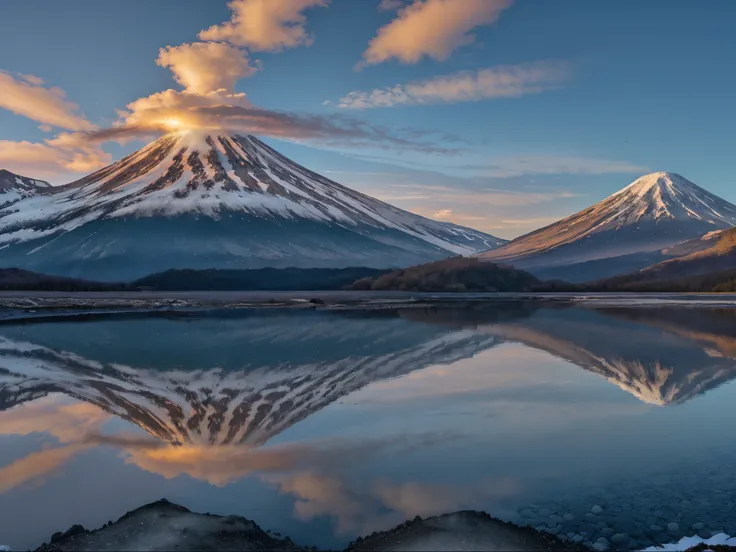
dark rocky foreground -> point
(166, 526)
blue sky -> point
(579, 98)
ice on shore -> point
(688, 542)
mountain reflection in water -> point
(221, 396)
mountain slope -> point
(624, 232)
(191, 200)
(716, 251)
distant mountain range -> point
(628, 231)
(199, 201)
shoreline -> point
(163, 525)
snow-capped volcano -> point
(194, 200)
(616, 235)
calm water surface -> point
(328, 425)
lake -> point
(587, 421)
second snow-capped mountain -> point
(192, 200)
(623, 233)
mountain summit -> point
(622, 233)
(195, 200)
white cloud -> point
(265, 25)
(432, 28)
(506, 81)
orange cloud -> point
(508, 81)
(223, 111)
(265, 25)
(51, 158)
(27, 97)
(37, 466)
(433, 28)
(70, 423)
(203, 67)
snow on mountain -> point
(272, 388)
(14, 187)
(193, 200)
(654, 212)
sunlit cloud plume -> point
(265, 25)
(26, 96)
(432, 28)
(203, 67)
(510, 81)
(222, 111)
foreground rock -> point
(461, 531)
(166, 526)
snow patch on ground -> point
(688, 542)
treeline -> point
(264, 279)
(15, 279)
(459, 274)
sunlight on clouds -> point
(432, 28)
(265, 25)
(52, 158)
(510, 81)
(203, 67)
(29, 98)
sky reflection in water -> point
(326, 425)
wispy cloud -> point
(265, 25)
(391, 5)
(432, 28)
(27, 96)
(507, 81)
(509, 166)
(518, 165)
